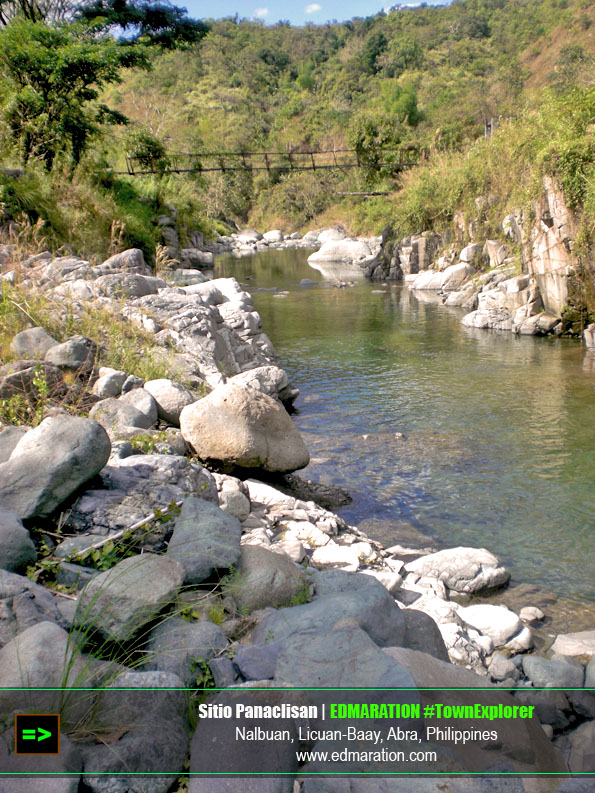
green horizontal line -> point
(249, 776)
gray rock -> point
(76, 354)
(523, 741)
(119, 602)
(576, 785)
(32, 343)
(223, 671)
(422, 785)
(35, 483)
(73, 545)
(462, 569)
(178, 646)
(69, 761)
(267, 579)
(150, 716)
(16, 547)
(109, 383)
(128, 285)
(582, 749)
(214, 749)
(497, 622)
(471, 252)
(21, 378)
(345, 657)
(371, 607)
(345, 250)
(590, 674)
(423, 634)
(24, 604)
(171, 398)
(142, 400)
(581, 643)
(239, 426)
(205, 539)
(552, 674)
(271, 380)
(132, 381)
(131, 260)
(9, 437)
(131, 488)
(501, 668)
(531, 614)
(74, 575)
(42, 656)
(258, 661)
(117, 417)
(233, 500)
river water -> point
(499, 430)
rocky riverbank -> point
(155, 536)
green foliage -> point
(147, 150)
(53, 77)
(161, 24)
(302, 596)
(201, 670)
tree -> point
(154, 23)
(54, 76)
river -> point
(465, 436)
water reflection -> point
(499, 429)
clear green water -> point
(500, 430)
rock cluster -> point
(484, 276)
(182, 576)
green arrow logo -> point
(29, 735)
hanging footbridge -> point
(391, 160)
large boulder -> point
(118, 418)
(171, 399)
(42, 656)
(131, 488)
(16, 547)
(127, 285)
(148, 734)
(455, 276)
(271, 380)
(119, 602)
(76, 354)
(370, 607)
(178, 647)
(30, 769)
(462, 569)
(9, 437)
(345, 250)
(240, 427)
(32, 343)
(345, 658)
(24, 604)
(22, 378)
(50, 462)
(205, 538)
(131, 260)
(268, 579)
(523, 742)
(497, 622)
(142, 400)
(580, 643)
(544, 673)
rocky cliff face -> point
(483, 276)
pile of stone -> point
(520, 282)
(217, 573)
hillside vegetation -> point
(426, 76)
